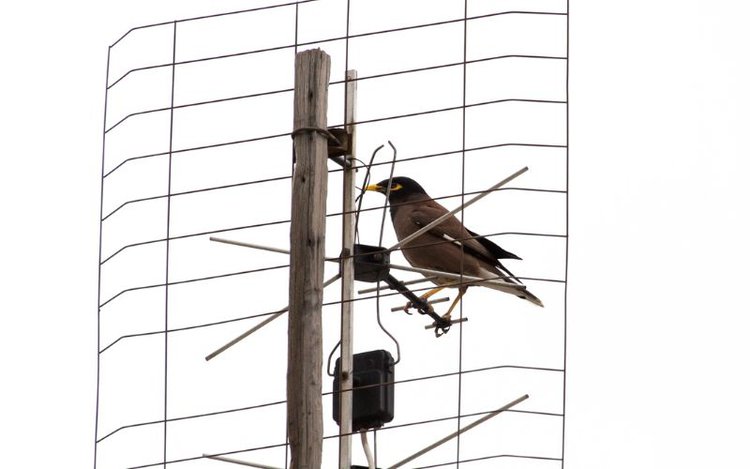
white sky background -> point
(657, 327)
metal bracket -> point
(339, 146)
(442, 325)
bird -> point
(448, 246)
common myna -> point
(440, 248)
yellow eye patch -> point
(396, 186)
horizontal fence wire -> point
(339, 82)
(337, 170)
(287, 220)
(361, 122)
(270, 313)
(215, 15)
(330, 393)
(380, 430)
(333, 39)
(354, 36)
(281, 266)
(494, 456)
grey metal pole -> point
(346, 377)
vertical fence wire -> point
(567, 233)
(99, 264)
(462, 218)
(168, 243)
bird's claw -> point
(442, 327)
(410, 305)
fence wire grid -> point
(196, 143)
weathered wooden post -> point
(307, 256)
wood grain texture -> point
(307, 254)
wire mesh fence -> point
(197, 144)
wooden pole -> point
(346, 377)
(307, 256)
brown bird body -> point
(448, 246)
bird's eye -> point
(396, 186)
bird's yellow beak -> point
(374, 187)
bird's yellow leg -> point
(461, 292)
(423, 297)
(431, 292)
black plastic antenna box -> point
(372, 405)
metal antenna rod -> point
(387, 287)
(239, 461)
(462, 430)
(260, 247)
(248, 245)
(458, 209)
(463, 279)
(265, 322)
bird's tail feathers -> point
(528, 296)
(512, 286)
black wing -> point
(496, 250)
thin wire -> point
(191, 417)
(212, 277)
(460, 194)
(186, 328)
(459, 431)
(365, 183)
(339, 82)
(334, 214)
(201, 103)
(286, 220)
(331, 303)
(261, 269)
(99, 269)
(362, 122)
(387, 193)
(191, 280)
(201, 147)
(167, 246)
(487, 458)
(468, 150)
(203, 17)
(200, 60)
(196, 191)
(196, 234)
(567, 231)
(458, 108)
(345, 225)
(461, 268)
(341, 38)
(473, 414)
(380, 243)
(368, 121)
(336, 435)
(382, 327)
(403, 381)
(287, 134)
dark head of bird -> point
(402, 189)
